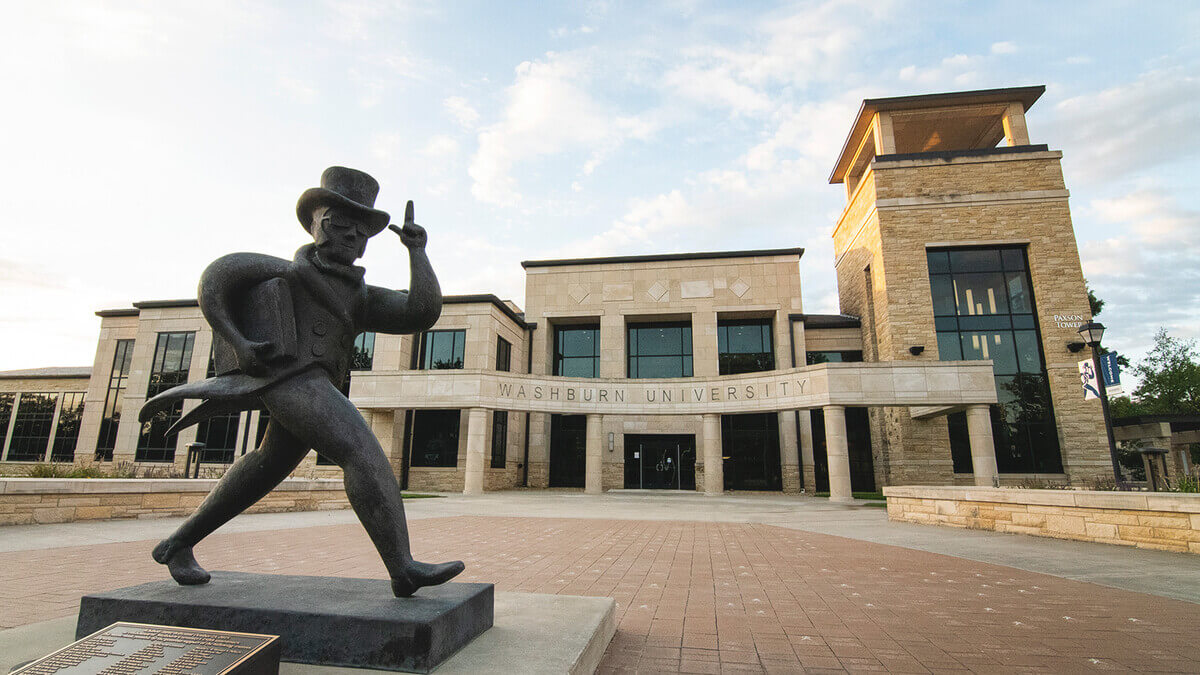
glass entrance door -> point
(660, 462)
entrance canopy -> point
(944, 385)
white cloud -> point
(462, 111)
(1004, 47)
(1124, 129)
(959, 70)
(440, 147)
(1146, 273)
(549, 111)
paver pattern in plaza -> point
(706, 597)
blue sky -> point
(144, 139)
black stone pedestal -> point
(320, 620)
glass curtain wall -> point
(744, 346)
(172, 361)
(434, 438)
(659, 350)
(442, 350)
(117, 380)
(218, 433)
(984, 309)
(577, 350)
(31, 427)
(67, 434)
(499, 438)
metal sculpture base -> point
(321, 620)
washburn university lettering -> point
(653, 395)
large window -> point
(172, 360)
(67, 434)
(659, 350)
(117, 380)
(499, 438)
(744, 346)
(442, 350)
(984, 309)
(503, 354)
(434, 438)
(813, 358)
(577, 351)
(31, 427)
(219, 432)
(364, 352)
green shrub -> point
(1187, 483)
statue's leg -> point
(314, 410)
(246, 482)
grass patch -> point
(881, 505)
(418, 495)
(856, 495)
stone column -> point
(806, 451)
(789, 453)
(476, 446)
(714, 466)
(838, 453)
(983, 451)
(593, 454)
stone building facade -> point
(701, 370)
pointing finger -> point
(408, 213)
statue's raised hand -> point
(412, 235)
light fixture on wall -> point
(1074, 347)
(916, 350)
(610, 441)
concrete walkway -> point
(1171, 575)
(739, 583)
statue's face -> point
(339, 235)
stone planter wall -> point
(1164, 521)
(25, 501)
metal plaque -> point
(143, 649)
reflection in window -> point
(219, 432)
(984, 309)
(499, 438)
(67, 433)
(31, 427)
(364, 352)
(172, 361)
(503, 354)
(442, 349)
(6, 409)
(434, 438)
(744, 346)
(813, 358)
(117, 380)
(577, 351)
(659, 350)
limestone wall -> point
(24, 501)
(1164, 521)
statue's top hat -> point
(347, 188)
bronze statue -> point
(283, 336)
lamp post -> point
(1092, 332)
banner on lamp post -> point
(1087, 377)
(1110, 370)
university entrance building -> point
(949, 363)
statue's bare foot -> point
(180, 562)
(418, 574)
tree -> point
(1095, 303)
(1170, 377)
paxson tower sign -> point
(959, 289)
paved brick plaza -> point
(707, 597)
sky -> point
(141, 140)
